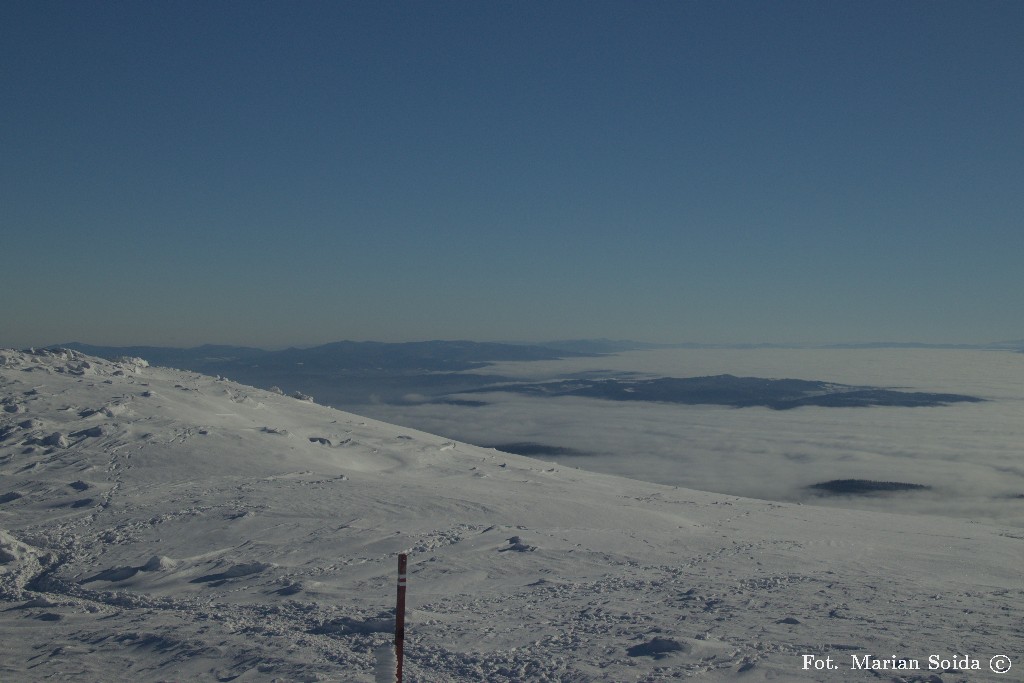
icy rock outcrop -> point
(56, 439)
(129, 364)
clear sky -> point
(273, 173)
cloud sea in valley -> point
(967, 454)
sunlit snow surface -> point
(162, 525)
(970, 454)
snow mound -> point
(159, 563)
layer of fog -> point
(969, 454)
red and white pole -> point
(403, 561)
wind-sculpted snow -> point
(163, 525)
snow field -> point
(161, 525)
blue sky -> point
(273, 173)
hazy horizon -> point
(994, 343)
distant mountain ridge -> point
(344, 373)
(347, 374)
(437, 355)
(168, 356)
(455, 355)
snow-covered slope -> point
(161, 525)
